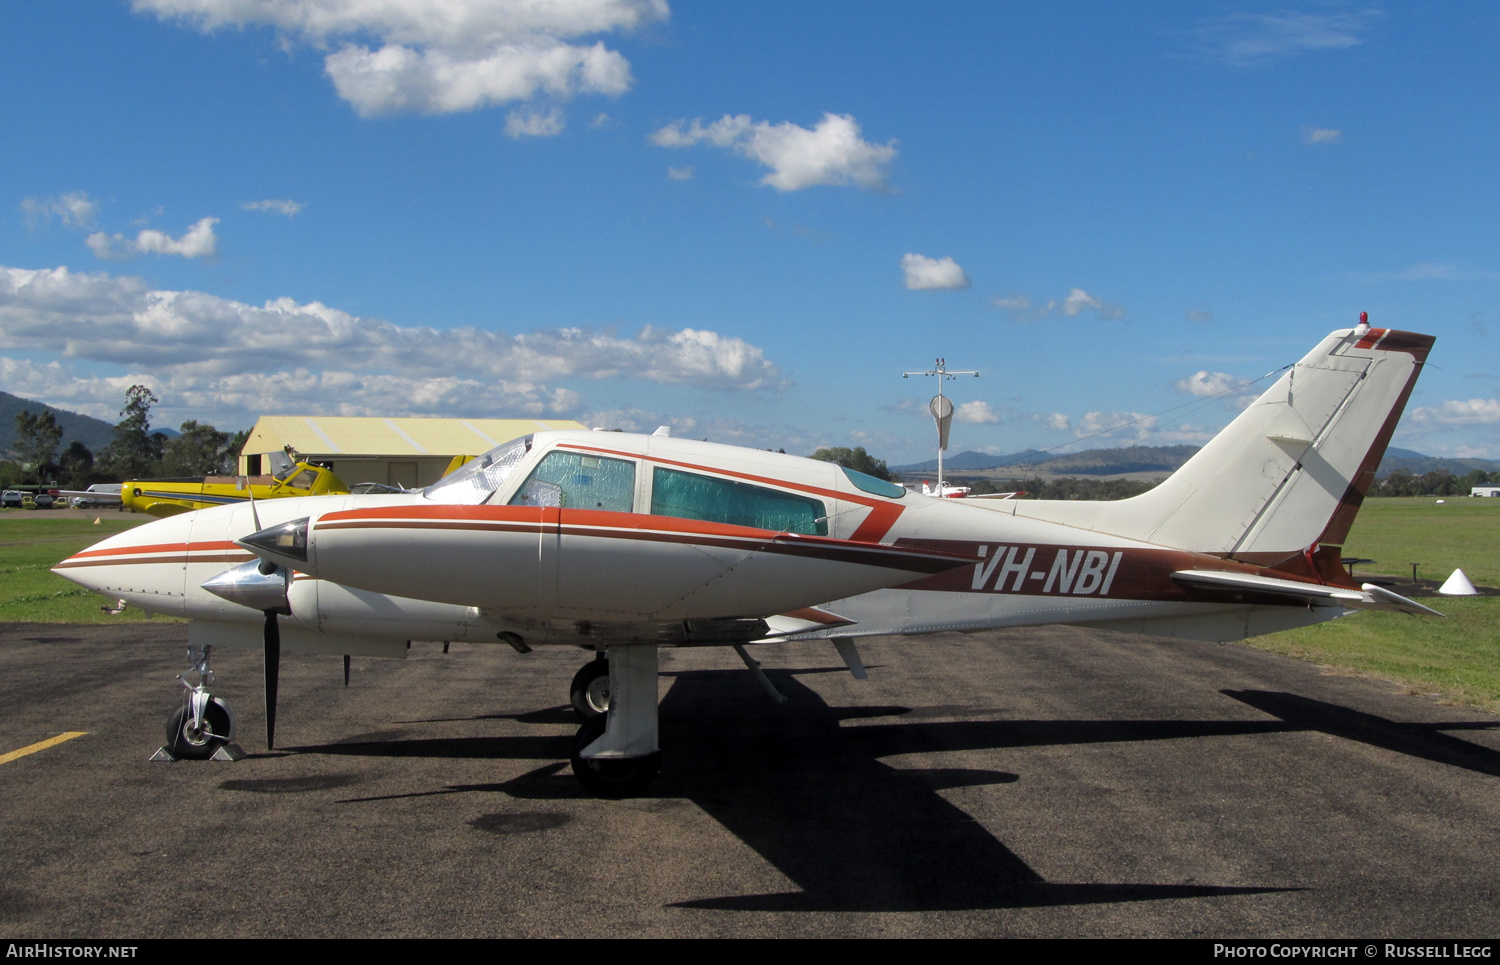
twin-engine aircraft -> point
(625, 543)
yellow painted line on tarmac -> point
(41, 745)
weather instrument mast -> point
(941, 409)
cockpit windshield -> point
(477, 480)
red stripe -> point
(156, 548)
(130, 560)
(604, 525)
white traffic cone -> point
(1458, 585)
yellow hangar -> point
(404, 452)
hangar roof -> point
(325, 436)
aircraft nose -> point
(144, 564)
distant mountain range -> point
(1110, 462)
(94, 433)
(1419, 465)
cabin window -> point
(871, 484)
(688, 495)
(576, 480)
(303, 480)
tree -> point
(76, 466)
(38, 437)
(199, 451)
(233, 450)
(856, 459)
(135, 451)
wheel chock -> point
(225, 752)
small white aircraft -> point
(625, 543)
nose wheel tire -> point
(611, 777)
(185, 741)
(589, 692)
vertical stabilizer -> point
(1290, 472)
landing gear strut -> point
(203, 724)
(615, 754)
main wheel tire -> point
(589, 692)
(186, 742)
(611, 777)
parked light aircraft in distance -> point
(99, 494)
(288, 478)
(625, 543)
(946, 490)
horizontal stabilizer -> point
(806, 620)
(1395, 601)
(1368, 597)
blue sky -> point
(746, 221)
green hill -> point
(94, 433)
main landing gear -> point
(615, 754)
(204, 725)
(589, 692)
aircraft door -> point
(579, 555)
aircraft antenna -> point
(941, 409)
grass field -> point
(1441, 537)
(1457, 657)
(31, 543)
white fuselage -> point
(384, 569)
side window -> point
(303, 480)
(690, 496)
(574, 480)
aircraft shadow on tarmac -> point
(815, 800)
(1416, 740)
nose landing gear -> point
(203, 726)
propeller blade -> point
(346, 670)
(273, 673)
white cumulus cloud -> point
(1128, 425)
(831, 152)
(199, 241)
(975, 412)
(1456, 412)
(520, 124)
(932, 273)
(120, 320)
(1056, 421)
(275, 206)
(1075, 303)
(684, 173)
(1321, 135)
(74, 209)
(433, 58)
(1205, 383)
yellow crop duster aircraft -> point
(168, 497)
